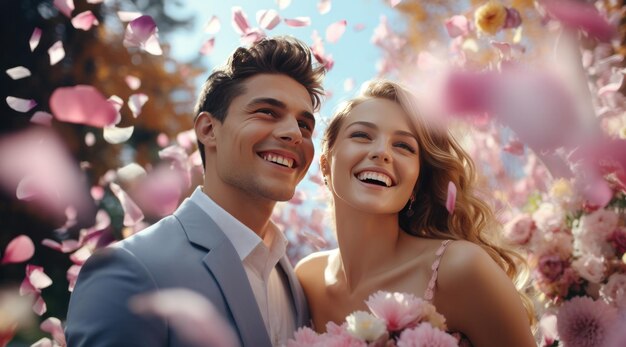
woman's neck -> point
(367, 243)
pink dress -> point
(430, 290)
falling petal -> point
(394, 3)
(213, 26)
(132, 82)
(90, 139)
(207, 47)
(82, 104)
(81, 255)
(451, 197)
(18, 72)
(65, 6)
(95, 1)
(267, 19)
(163, 140)
(239, 21)
(132, 213)
(252, 36)
(298, 22)
(136, 102)
(34, 39)
(40, 306)
(56, 52)
(131, 172)
(186, 310)
(20, 105)
(42, 118)
(97, 192)
(358, 27)
(72, 276)
(160, 191)
(20, 249)
(514, 147)
(66, 246)
(335, 31)
(28, 189)
(457, 26)
(348, 84)
(283, 4)
(187, 139)
(324, 6)
(128, 16)
(118, 103)
(612, 87)
(115, 135)
(142, 32)
(52, 325)
(84, 20)
(580, 15)
(37, 278)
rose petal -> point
(90, 139)
(132, 213)
(72, 276)
(252, 36)
(283, 4)
(128, 16)
(33, 42)
(18, 72)
(324, 6)
(239, 20)
(20, 105)
(136, 102)
(52, 325)
(358, 27)
(84, 20)
(131, 172)
(348, 84)
(514, 147)
(457, 26)
(81, 255)
(115, 135)
(95, 1)
(82, 104)
(580, 15)
(162, 140)
(451, 197)
(213, 26)
(42, 118)
(208, 46)
(394, 3)
(132, 82)
(37, 278)
(40, 307)
(141, 32)
(20, 249)
(65, 6)
(56, 52)
(335, 31)
(28, 189)
(298, 22)
(267, 19)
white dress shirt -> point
(270, 287)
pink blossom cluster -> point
(395, 319)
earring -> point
(325, 181)
(410, 211)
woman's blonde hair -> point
(442, 160)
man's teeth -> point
(278, 159)
(376, 176)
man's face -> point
(264, 145)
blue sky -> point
(355, 57)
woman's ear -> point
(324, 165)
(205, 129)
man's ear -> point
(205, 129)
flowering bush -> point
(395, 319)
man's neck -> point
(253, 211)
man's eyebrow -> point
(279, 104)
(373, 126)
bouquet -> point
(395, 319)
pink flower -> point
(549, 217)
(519, 230)
(397, 309)
(551, 266)
(593, 231)
(513, 18)
(583, 322)
(614, 291)
(424, 335)
(590, 267)
(618, 241)
(304, 337)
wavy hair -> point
(442, 160)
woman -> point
(388, 172)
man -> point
(254, 123)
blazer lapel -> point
(224, 263)
(300, 303)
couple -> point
(388, 174)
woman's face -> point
(375, 162)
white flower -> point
(592, 231)
(549, 217)
(590, 267)
(602, 222)
(614, 291)
(365, 326)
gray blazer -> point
(185, 250)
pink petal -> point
(358, 27)
(324, 6)
(20, 249)
(283, 4)
(239, 20)
(152, 45)
(81, 255)
(33, 42)
(142, 33)
(65, 6)
(348, 84)
(136, 102)
(72, 276)
(335, 31)
(298, 22)
(84, 20)
(208, 46)
(52, 325)
(514, 147)
(42, 118)
(133, 82)
(82, 104)
(252, 36)
(160, 191)
(163, 140)
(451, 198)
(132, 213)
(18, 72)
(65, 246)
(37, 277)
(580, 15)
(97, 192)
(43, 342)
(20, 105)
(39, 307)
(90, 139)
(95, 1)
(457, 26)
(394, 3)
(27, 288)
(213, 26)
(186, 139)
(29, 189)
(56, 52)
(614, 86)
(131, 172)
(115, 135)
(267, 19)
(118, 103)
(128, 16)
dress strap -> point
(430, 290)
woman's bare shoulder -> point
(313, 264)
